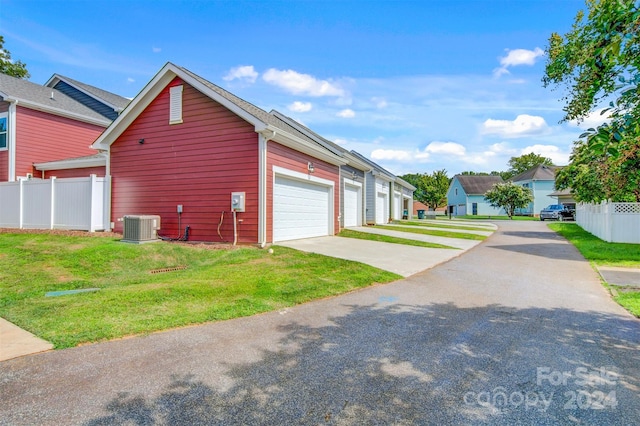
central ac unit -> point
(140, 228)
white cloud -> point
(298, 106)
(392, 155)
(379, 102)
(130, 80)
(301, 84)
(156, 49)
(243, 72)
(346, 113)
(593, 120)
(517, 57)
(551, 151)
(447, 148)
(523, 125)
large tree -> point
(10, 67)
(523, 163)
(509, 196)
(599, 63)
(431, 189)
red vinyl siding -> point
(196, 164)
(73, 173)
(43, 137)
(282, 156)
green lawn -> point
(602, 253)
(435, 232)
(387, 239)
(441, 225)
(216, 284)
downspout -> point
(107, 193)
(262, 185)
(11, 139)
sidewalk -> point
(15, 342)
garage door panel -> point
(381, 209)
(351, 206)
(300, 209)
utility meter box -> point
(237, 201)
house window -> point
(525, 185)
(175, 105)
(456, 191)
(3, 131)
(474, 209)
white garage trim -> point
(303, 205)
(352, 204)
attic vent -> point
(140, 229)
(175, 105)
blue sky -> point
(416, 86)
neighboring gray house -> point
(541, 181)
(466, 195)
(104, 103)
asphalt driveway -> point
(516, 331)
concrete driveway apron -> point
(516, 331)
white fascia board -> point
(72, 163)
(309, 133)
(153, 89)
(382, 175)
(305, 147)
(135, 108)
(355, 162)
(55, 111)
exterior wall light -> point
(310, 167)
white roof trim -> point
(164, 77)
(56, 111)
(72, 163)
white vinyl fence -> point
(70, 203)
(611, 222)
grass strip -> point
(216, 284)
(442, 225)
(487, 217)
(596, 250)
(435, 232)
(348, 233)
(600, 252)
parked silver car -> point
(551, 212)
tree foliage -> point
(8, 66)
(509, 196)
(523, 163)
(431, 189)
(599, 61)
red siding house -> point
(186, 144)
(39, 124)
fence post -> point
(92, 191)
(21, 204)
(52, 217)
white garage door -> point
(462, 209)
(352, 205)
(397, 203)
(381, 208)
(300, 209)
